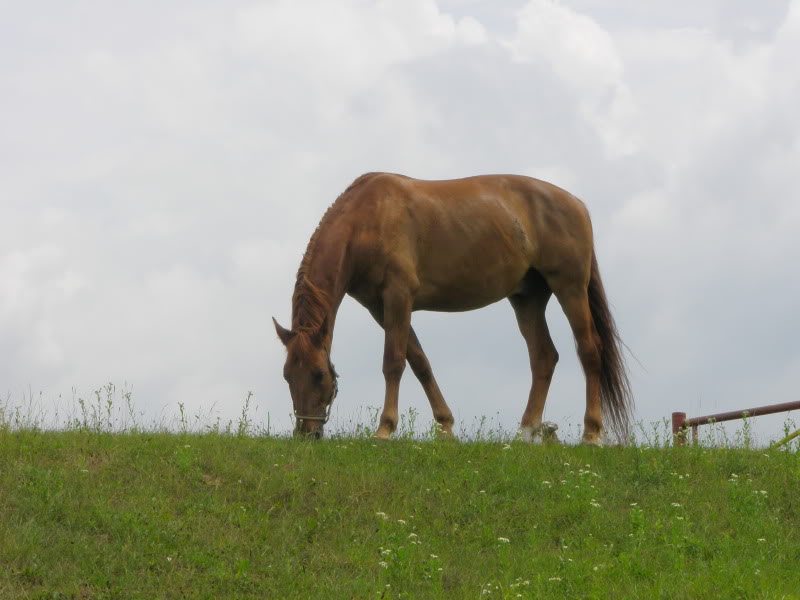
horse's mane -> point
(310, 304)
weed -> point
(104, 506)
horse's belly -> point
(451, 303)
(467, 289)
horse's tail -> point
(616, 398)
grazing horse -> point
(398, 244)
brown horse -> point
(397, 245)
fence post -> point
(678, 432)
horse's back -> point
(466, 242)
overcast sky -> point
(162, 166)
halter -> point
(324, 418)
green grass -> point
(88, 514)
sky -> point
(162, 166)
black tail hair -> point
(616, 398)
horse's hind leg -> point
(574, 300)
(422, 369)
(530, 311)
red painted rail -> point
(680, 423)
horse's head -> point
(311, 377)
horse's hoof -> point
(592, 441)
(544, 434)
(530, 435)
(382, 434)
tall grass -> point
(104, 506)
(111, 409)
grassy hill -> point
(151, 515)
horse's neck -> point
(329, 272)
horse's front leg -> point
(397, 303)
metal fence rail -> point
(680, 424)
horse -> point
(397, 245)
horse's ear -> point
(322, 332)
(284, 334)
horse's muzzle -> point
(311, 430)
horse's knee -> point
(393, 366)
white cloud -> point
(584, 57)
(691, 88)
(341, 47)
(161, 175)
